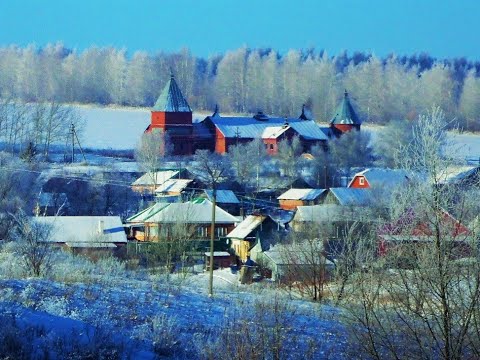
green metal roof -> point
(171, 99)
(345, 113)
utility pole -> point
(74, 138)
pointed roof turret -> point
(345, 113)
(216, 112)
(303, 116)
(171, 99)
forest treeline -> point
(247, 80)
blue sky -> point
(442, 28)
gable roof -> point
(223, 196)
(147, 213)
(301, 194)
(252, 128)
(249, 224)
(352, 196)
(377, 177)
(345, 114)
(173, 186)
(273, 132)
(330, 213)
(295, 254)
(198, 211)
(461, 174)
(85, 231)
(171, 99)
(155, 179)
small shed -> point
(221, 260)
(293, 198)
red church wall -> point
(161, 118)
(359, 182)
(220, 142)
(344, 127)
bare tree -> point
(425, 304)
(151, 152)
(33, 243)
(211, 168)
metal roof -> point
(155, 178)
(330, 213)
(301, 194)
(352, 196)
(378, 177)
(249, 224)
(223, 196)
(193, 212)
(171, 99)
(345, 113)
(146, 213)
(251, 128)
(85, 229)
(173, 186)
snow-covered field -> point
(115, 128)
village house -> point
(293, 198)
(86, 234)
(252, 229)
(150, 181)
(410, 233)
(189, 221)
(172, 190)
(171, 114)
(376, 178)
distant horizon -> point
(440, 28)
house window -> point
(202, 232)
(221, 231)
(361, 181)
(271, 146)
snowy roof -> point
(146, 213)
(282, 254)
(155, 178)
(243, 229)
(218, 253)
(251, 128)
(171, 99)
(85, 229)
(378, 177)
(196, 211)
(301, 194)
(173, 186)
(352, 196)
(223, 196)
(273, 132)
(345, 113)
(96, 245)
(455, 174)
(330, 213)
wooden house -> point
(189, 221)
(376, 178)
(293, 198)
(288, 263)
(150, 181)
(252, 229)
(411, 232)
(83, 234)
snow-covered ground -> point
(143, 316)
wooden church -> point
(172, 114)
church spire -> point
(171, 99)
(345, 113)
